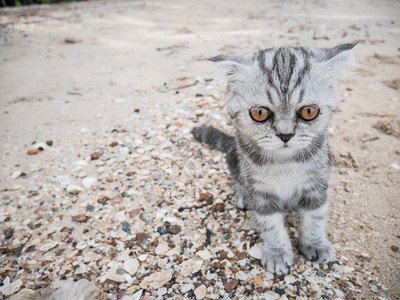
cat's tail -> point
(215, 138)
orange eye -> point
(260, 113)
(309, 113)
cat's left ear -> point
(228, 66)
(340, 56)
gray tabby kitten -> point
(280, 101)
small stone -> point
(82, 289)
(81, 218)
(199, 113)
(8, 233)
(81, 245)
(48, 246)
(347, 269)
(156, 280)
(289, 279)
(258, 280)
(142, 237)
(394, 248)
(142, 257)
(49, 143)
(230, 285)
(103, 200)
(74, 189)
(256, 251)
(137, 295)
(126, 227)
(16, 174)
(350, 296)
(95, 155)
(339, 293)
(131, 266)
(242, 275)
(161, 230)
(302, 268)
(204, 254)
(89, 208)
(187, 287)
(33, 151)
(162, 291)
(219, 207)
(279, 291)
(200, 292)
(72, 40)
(88, 182)
(11, 288)
(161, 249)
(114, 274)
(207, 197)
(374, 289)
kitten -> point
(280, 101)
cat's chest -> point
(283, 180)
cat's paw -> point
(240, 201)
(322, 253)
(278, 263)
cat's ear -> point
(228, 66)
(340, 56)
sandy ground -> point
(73, 73)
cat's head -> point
(282, 99)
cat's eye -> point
(260, 113)
(308, 113)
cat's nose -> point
(285, 137)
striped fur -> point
(272, 175)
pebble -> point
(339, 293)
(81, 289)
(279, 291)
(161, 248)
(81, 245)
(200, 292)
(74, 189)
(256, 251)
(187, 287)
(88, 182)
(11, 288)
(156, 279)
(374, 289)
(230, 285)
(242, 275)
(115, 275)
(137, 295)
(289, 279)
(16, 174)
(48, 246)
(162, 291)
(131, 265)
(204, 254)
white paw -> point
(278, 263)
(322, 253)
(239, 199)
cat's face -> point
(283, 99)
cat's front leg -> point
(313, 241)
(277, 255)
